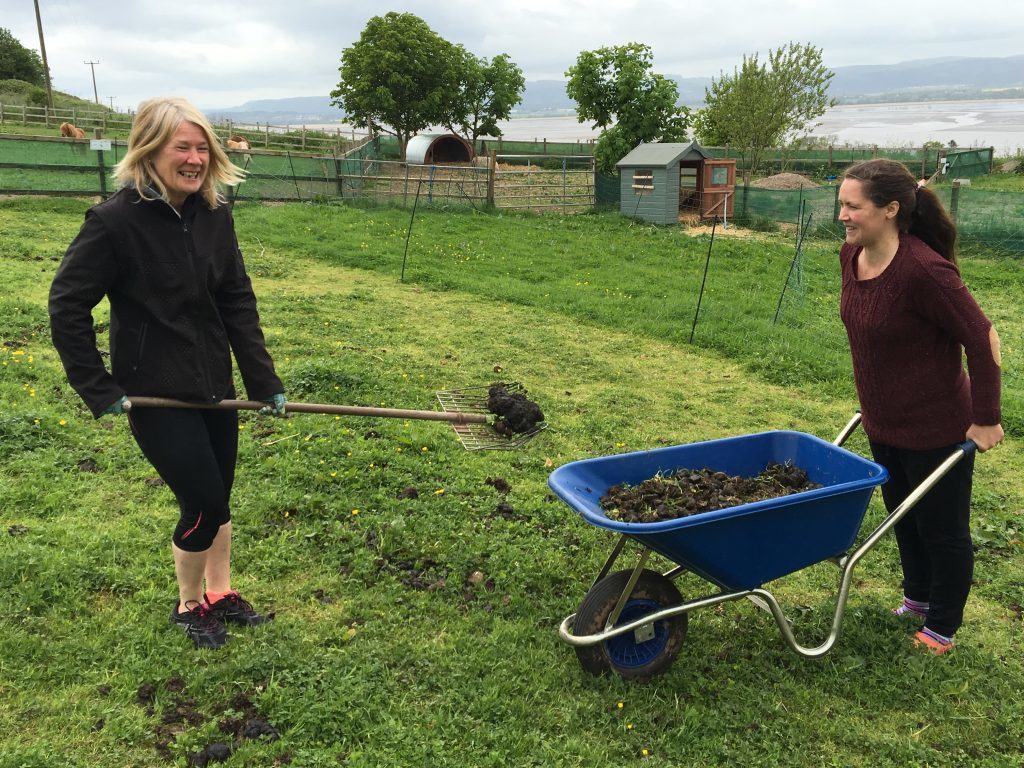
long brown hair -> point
(154, 125)
(921, 213)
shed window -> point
(643, 181)
(719, 176)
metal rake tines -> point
(477, 437)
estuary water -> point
(997, 123)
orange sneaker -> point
(933, 645)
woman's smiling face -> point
(865, 223)
(183, 162)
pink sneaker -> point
(932, 644)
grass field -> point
(420, 628)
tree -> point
(761, 106)
(489, 92)
(615, 85)
(399, 77)
(18, 62)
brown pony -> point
(240, 143)
(71, 131)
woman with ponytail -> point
(910, 319)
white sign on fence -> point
(100, 144)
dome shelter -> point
(430, 148)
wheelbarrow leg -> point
(613, 617)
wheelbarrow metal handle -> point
(456, 417)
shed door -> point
(719, 187)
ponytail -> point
(931, 223)
(921, 213)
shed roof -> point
(663, 154)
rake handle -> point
(456, 417)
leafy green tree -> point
(762, 105)
(18, 62)
(615, 87)
(399, 77)
(490, 89)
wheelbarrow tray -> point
(744, 546)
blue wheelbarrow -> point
(633, 622)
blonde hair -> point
(154, 126)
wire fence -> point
(82, 167)
(564, 183)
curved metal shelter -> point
(429, 148)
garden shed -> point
(431, 148)
(657, 181)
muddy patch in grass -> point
(692, 491)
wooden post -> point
(266, 139)
(102, 172)
(491, 170)
(954, 201)
(835, 206)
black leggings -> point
(195, 452)
(934, 538)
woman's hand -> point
(275, 405)
(985, 437)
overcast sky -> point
(221, 54)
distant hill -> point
(918, 80)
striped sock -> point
(936, 636)
(912, 607)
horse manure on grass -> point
(515, 411)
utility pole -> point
(92, 66)
(46, 67)
(111, 103)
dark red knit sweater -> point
(908, 330)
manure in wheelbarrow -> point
(515, 411)
(692, 491)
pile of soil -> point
(784, 181)
(515, 411)
(690, 492)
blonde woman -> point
(163, 250)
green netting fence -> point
(993, 219)
(826, 161)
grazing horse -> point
(240, 142)
(71, 131)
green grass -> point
(384, 652)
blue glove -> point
(115, 409)
(275, 405)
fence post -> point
(491, 170)
(835, 206)
(954, 201)
(102, 172)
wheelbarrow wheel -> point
(630, 656)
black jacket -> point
(179, 297)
